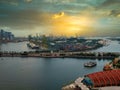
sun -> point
(69, 25)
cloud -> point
(59, 1)
(58, 15)
(111, 2)
(114, 13)
(14, 2)
(47, 15)
(25, 18)
(28, 1)
(10, 2)
(118, 15)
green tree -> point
(44, 41)
(29, 37)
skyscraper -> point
(6, 36)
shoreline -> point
(84, 55)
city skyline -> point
(61, 17)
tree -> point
(44, 41)
(29, 37)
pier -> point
(54, 54)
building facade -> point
(6, 36)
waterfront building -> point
(95, 81)
(6, 36)
(1, 34)
(102, 79)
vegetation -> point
(115, 64)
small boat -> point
(32, 46)
(90, 64)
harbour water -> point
(18, 47)
(42, 73)
(18, 73)
(113, 46)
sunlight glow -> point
(58, 15)
(70, 25)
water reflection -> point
(42, 74)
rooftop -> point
(103, 78)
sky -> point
(61, 17)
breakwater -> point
(49, 54)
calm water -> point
(43, 73)
(114, 46)
(21, 46)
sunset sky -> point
(61, 17)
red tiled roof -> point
(105, 78)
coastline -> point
(86, 55)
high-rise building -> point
(6, 36)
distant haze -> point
(61, 17)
